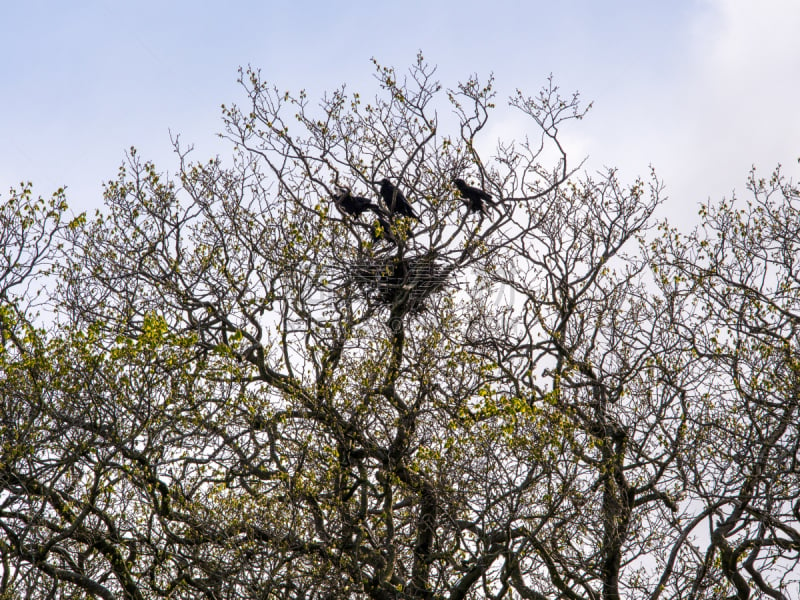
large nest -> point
(401, 283)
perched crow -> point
(473, 196)
(395, 200)
(352, 205)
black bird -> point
(473, 196)
(352, 205)
(395, 200)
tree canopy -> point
(261, 378)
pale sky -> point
(700, 89)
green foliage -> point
(219, 386)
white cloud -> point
(749, 37)
(742, 92)
(725, 99)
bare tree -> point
(735, 285)
(253, 395)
